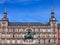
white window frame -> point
(8, 42)
(48, 30)
(13, 41)
(41, 41)
(44, 30)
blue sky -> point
(30, 10)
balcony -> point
(14, 42)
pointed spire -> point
(52, 14)
(5, 12)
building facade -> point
(59, 35)
(29, 33)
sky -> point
(30, 10)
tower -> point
(53, 21)
(52, 15)
(4, 18)
(53, 26)
(5, 14)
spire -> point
(52, 15)
(5, 13)
(52, 12)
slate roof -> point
(28, 23)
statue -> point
(29, 35)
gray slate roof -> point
(28, 24)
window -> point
(44, 30)
(17, 35)
(34, 36)
(13, 30)
(36, 30)
(3, 30)
(23, 35)
(56, 41)
(29, 40)
(51, 41)
(24, 30)
(3, 35)
(13, 35)
(41, 35)
(20, 35)
(41, 41)
(13, 41)
(54, 30)
(55, 35)
(8, 35)
(40, 30)
(51, 30)
(45, 35)
(49, 35)
(10, 30)
(52, 35)
(6, 30)
(18, 41)
(46, 41)
(8, 41)
(48, 30)
(53, 24)
(21, 30)
(16, 30)
(35, 41)
(3, 41)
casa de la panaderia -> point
(29, 33)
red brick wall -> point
(58, 36)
